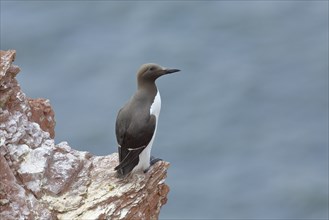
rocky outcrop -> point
(43, 180)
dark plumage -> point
(136, 121)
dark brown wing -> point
(132, 137)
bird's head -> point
(152, 71)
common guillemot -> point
(137, 121)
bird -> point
(137, 121)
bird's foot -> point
(153, 160)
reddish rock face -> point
(43, 114)
(41, 180)
(13, 99)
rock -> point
(43, 180)
(43, 114)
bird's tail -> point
(123, 171)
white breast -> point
(156, 106)
(144, 157)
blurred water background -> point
(244, 124)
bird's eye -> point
(151, 68)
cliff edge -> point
(43, 180)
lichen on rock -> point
(43, 180)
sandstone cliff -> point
(43, 180)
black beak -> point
(168, 71)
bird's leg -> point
(153, 160)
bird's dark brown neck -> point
(147, 89)
(148, 85)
